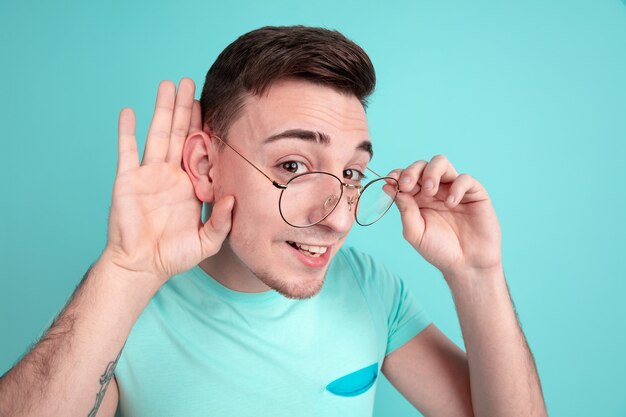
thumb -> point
(216, 228)
(412, 221)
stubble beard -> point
(298, 287)
(288, 288)
(301, 287)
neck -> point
(227, 269)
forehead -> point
(296, 104)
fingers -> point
(464, 186)
(438, 179)
(182, 119)
(408, 179)
(439, 170)
(413, 224)
(159, 133)
(425, 177)
(196, 118)
(216, 229)
(173, 116)
(128, 157)
(424, 183)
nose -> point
(352, 201)
(341, 218)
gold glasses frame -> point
(331, 200)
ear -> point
(198, 163)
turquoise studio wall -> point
(528, 97)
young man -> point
(258, 310)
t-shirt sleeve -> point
(406, 317)
(389, 296)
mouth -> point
(309, 250)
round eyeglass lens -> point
(309, 198)
(376, 198)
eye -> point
(293, 167)
(353, 175)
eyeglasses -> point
(307, 199)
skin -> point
(446, 216)
(156, 232)
(256, 256)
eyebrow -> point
(319, 137)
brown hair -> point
(258, 58)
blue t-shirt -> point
(201, 349)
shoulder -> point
(178, 294)
(388, 296)
(375, 279)
(361, 263)
(366, 269)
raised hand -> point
(448, 218)
(155, 224)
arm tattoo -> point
(105, 378)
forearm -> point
(503, 376)
(69, 369)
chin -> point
(300, 288)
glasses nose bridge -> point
(352, 199)
(357, 187)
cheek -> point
(256, 218)
(256, 199)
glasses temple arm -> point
(374, 172)
(275, 183)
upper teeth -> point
(312, 249)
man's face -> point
(261, 245)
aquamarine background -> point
(529, 97)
